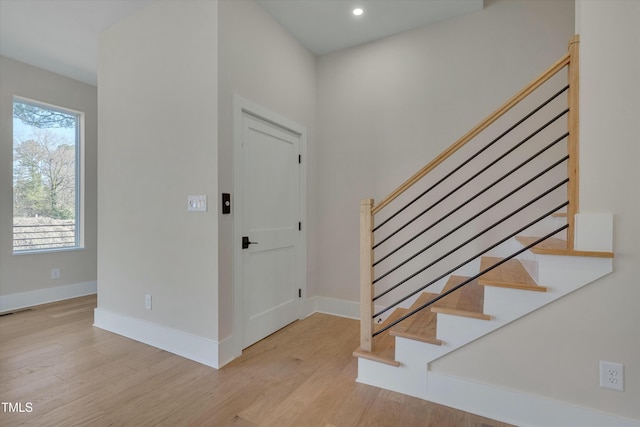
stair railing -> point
(369, 211)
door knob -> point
(246, 242)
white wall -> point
(261, 62)
(387, 108)
(158, 137)
(555, 351)
(31, 273)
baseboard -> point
(193, 347)
(515, 407)
(309, 306)
(339, 307)
(21, 300)
(226, 351)
(336, 307)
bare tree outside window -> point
(45, 177)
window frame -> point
(78, 176)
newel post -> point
(366, 274)
(573, 139)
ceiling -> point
(325, 26)
(62, 35)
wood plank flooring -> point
(303, 375)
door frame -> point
(243, 106)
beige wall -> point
(158, 144)
(387, 108)
(168, 74)
(555, 351)
(32, 272)
(264, 64)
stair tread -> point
(375, 356)
(556, 246)
(510, 274)
(467, 301)
(424, 298)
(384, 343)
(421, 326)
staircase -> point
(431, 282)
(400, 355)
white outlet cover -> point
(612, 375)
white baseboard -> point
(193, 347)
(336, 307)
(226, 351)
(21, 300)
(515, 407)
(309, 306)
(486, 400)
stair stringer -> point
(560, 274)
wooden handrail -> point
(368, 209)
(555, 68)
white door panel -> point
(270, 219)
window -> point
(47, 142)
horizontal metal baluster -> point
(566, 180)
(535, 221)
(472, 198)
(511, 150)
(518, 123)
(470, 279)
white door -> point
(270, 218)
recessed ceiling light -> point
(358, 11)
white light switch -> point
(197, 203)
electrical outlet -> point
(147, 302)
(612, 375)
(55, 273)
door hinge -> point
(299, 158)
(299, 293)
(299, 226)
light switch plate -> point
(197, 203)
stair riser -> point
(468, 270)
(413, 354)
(507, 305)
(410, 379)
(568, 273)
(559, 274)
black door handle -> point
(246, 242)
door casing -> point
(243, 106)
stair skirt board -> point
(498, 403)
(514, 407)
(505, 300)
(560, 275)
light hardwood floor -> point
(303, 375)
